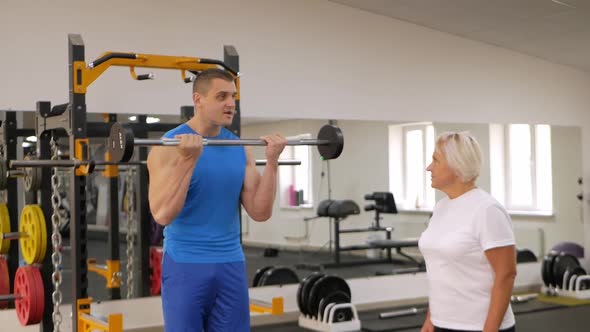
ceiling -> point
(554, 30)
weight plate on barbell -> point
(32, 178)
(32, 225)
(4, 228)
(334, 135)
(120, 143)
(43, 242)
(29, 286)
(4, 281)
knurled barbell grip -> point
(225, 142)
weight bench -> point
(398, 245)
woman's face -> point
(441, 174)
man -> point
(194, 192)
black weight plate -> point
(334, 135)
(561, 263)
(547, 267)
(525, 256)
(120, 143)
(322, 288)
(571, 272)
(334, 297)
(259, 274)
(585, 285)
(299, 295)
(343, 315)
(304, 289)
(279, 275)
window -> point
(410, 152)
(295, 181)
(520, 167)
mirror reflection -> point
(381, 192)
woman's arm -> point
(503, 262)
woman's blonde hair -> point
(462, 152)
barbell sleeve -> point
(13, 236)
(10, 297)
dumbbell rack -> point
(327, 322)
(573, 288)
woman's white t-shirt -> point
(460, 278)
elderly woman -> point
(468, 247)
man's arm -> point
(170, 171)
(259, 191)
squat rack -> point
(71, 117)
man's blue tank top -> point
(207, 229)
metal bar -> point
(44, 151)
(66, 163)
(13, 236)
(225, 142)
(78, 233)
(100, 129)
(403, 312)
(9, 297)
(144, 216)
(284, 162)
(113, 236)
(15, 173)
(122, 166)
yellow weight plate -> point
(30, 244)
(4, 228)
(43, 226)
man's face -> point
(219, 104)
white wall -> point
(300, 58)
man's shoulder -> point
(178, 130)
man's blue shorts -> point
(211, 297)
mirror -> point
(382, 156)
(376, 158)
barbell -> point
(32, 173)
(121, 142)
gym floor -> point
(531, 316)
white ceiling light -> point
(151, 119)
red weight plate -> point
(4, 281)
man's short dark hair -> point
(203, 80)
